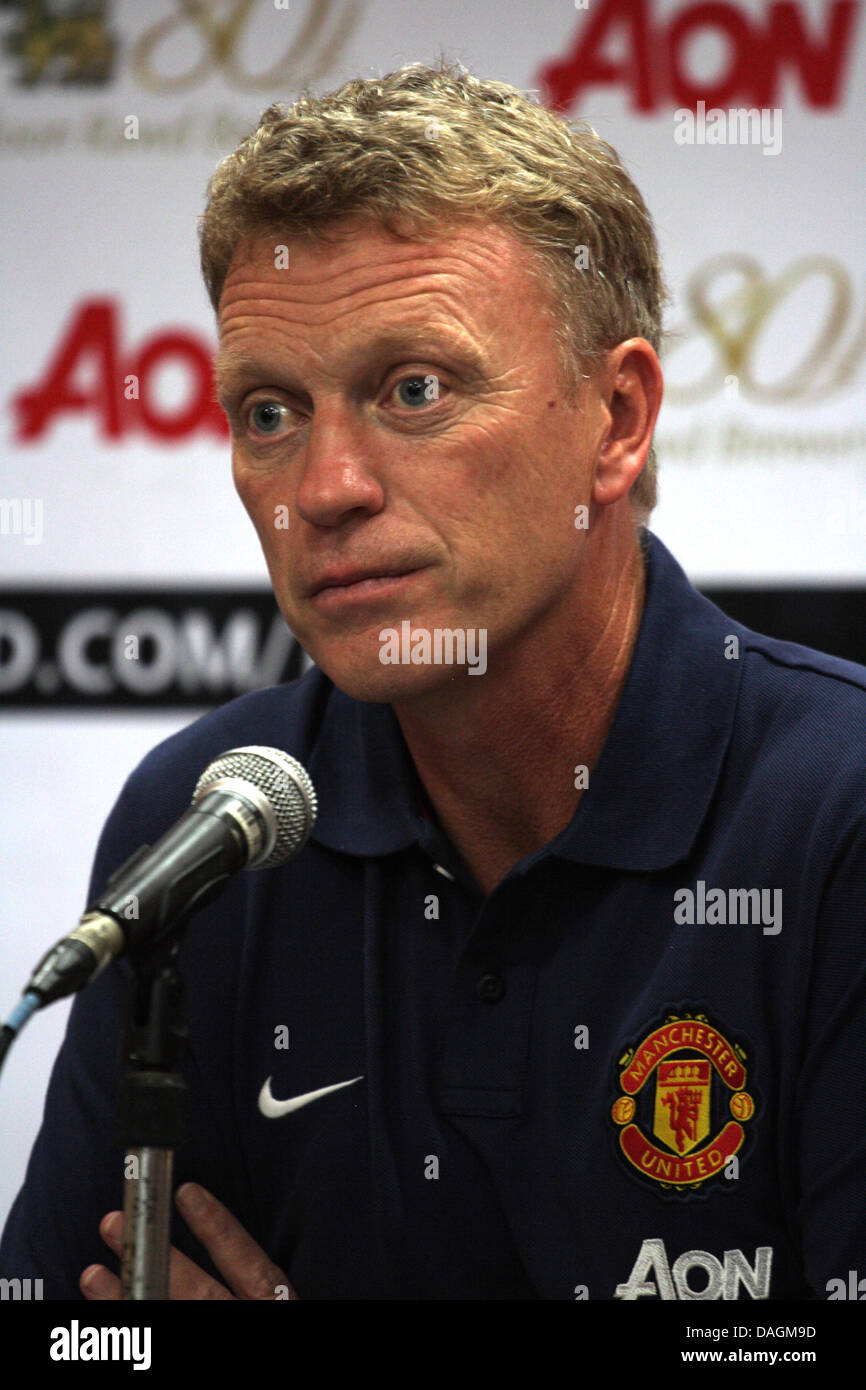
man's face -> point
(399, 412)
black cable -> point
(6, 1036)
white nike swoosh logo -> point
(274, 1108)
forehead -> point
(363, 273)
(323, 301)
(360, 253)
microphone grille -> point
(283, 781)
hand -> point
(249, 1272)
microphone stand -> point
(152, 1114)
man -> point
(570, 970)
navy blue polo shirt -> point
(633, 1070)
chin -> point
(370, 681)
(353, 657)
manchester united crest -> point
(683, 1106)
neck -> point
(498, 753)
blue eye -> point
(418, 394)
(270, 418)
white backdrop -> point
(762, 437)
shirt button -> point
(490, 988)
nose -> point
(337, 477)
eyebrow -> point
(233, 370)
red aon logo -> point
(656, 66)
(121, 395)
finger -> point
(248, 1270)
(186, 1280)
(99, 1285)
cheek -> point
(264, 503)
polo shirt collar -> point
(651, 787)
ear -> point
(631, 386)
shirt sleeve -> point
(831, 1113)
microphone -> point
(252, 808)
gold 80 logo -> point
(221, 34)
(737, 307)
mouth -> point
(360, 587)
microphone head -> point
(278, 784)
